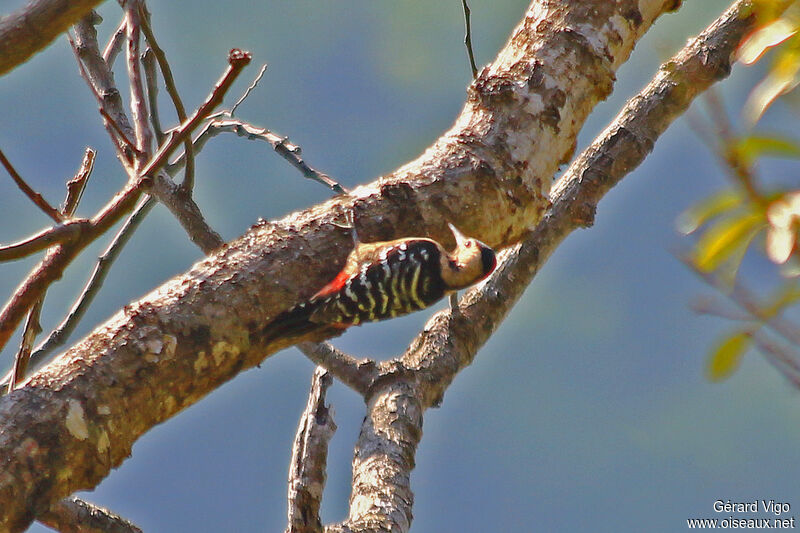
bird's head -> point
(470, 262)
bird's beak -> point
(457, 234)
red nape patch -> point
(334, 286)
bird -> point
(383, 280)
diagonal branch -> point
(489, 175)
(34, 196)
(75, 188)
(385, 455)
(74, 515)
(290, 152)
(33, 26)
(56, 260)
(138, 102)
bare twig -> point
(62, 332)
(138, 102)
(54, 264)
(77, 184)
(31, 329)
(151, 79)
(100, 78)
(75, 188)
(748, 302)
(73, 515)
(281, 145)
(188, 213)
(172, 90)
(309, 457)
(60, 234)
(114, 45)
(34, 196)
(781, 357)
(128, 143)
(237, 60)
(179, 203)
(248, 91)
(359, 375)
(468, 39)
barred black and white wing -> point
(387, 279)
(404, 277)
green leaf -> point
(725, 358)
(749, 148)
(706, 209)
(723, 239)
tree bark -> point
(31, 28)
(490, 175)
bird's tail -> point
(291, 323)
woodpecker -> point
(382, 280)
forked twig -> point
(52, 266)
(75, 187)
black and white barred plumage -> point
(387, 279)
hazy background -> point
(587, 411)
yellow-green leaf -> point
(723, 239)
(725, 358)
(758, 42)
(706, 209)
(785, 296)
(782, 78)
(749, 148)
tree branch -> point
(34, 196)
(309, 458)
(386, 447)
(359, 375)
(75, 188)
(52, 266)
(489, 175)
(33, 26)
(77, 516)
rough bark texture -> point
(308, 470)
(31, 28)
(76, 516)
(381, 499)
(79, 416)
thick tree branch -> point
(489, 175)
(75, 187)
(33, 26)
(57, 259)
(380, 500)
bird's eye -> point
(468, 244)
